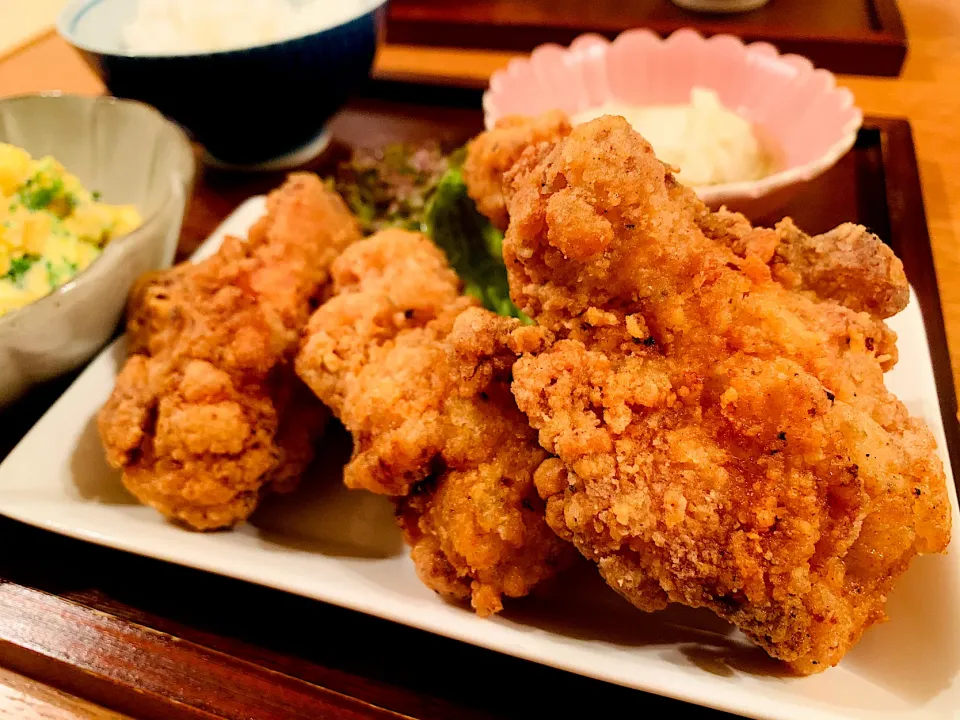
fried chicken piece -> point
(420, 376)
(848, 265)
(492, 153)
(722, 441)
(395, 300)
(477, 527)
(207, 413)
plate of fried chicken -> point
(703, 459)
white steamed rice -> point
(173, 27)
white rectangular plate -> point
(343, 547)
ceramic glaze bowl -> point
(130, 154)
(809, 122)
(261, 107)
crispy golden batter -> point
(207, 412)
(722, 441)
(492, 153)
(848, 265)
(373, 355)
(420, 376)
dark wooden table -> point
(155, 640)
(863, 37)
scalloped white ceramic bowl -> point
(797, 108)
(127, 151)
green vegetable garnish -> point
(420, 188)
(390, 187)
(472, 244)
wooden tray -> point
(156, 640)
(862, 37)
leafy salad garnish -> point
(420, 188)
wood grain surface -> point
(854, 36)
(151, 673)
(24, 699)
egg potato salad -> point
(51, 227)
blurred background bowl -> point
(721, 6)
(130, 154)
(259, 106)
(797, 109)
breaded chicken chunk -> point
(420, 376)
(207, 413)
(723, 435)
(493, 153)
(848, 265)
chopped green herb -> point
(36, 197)
(96, 195)
(19, 268)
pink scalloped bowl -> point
(797, 108)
